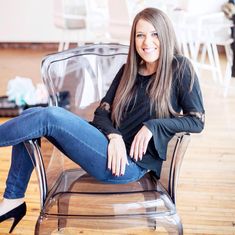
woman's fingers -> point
(117, 167)
(132, 149)
(141, 149)
(110, 156)
(117, 158)
(145, 146)
(114, 163)
(123, 166)
(137, 148)
(140, 143)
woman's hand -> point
(140, 143)
(117, 157)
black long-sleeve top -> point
(183, 99)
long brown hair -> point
(159, 88)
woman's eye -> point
(155, 34)
(139, 35)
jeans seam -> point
(20, 140)
(80, 140)
(9, 194)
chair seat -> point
(143, 197)
(81, 204)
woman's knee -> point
(51, 112)
(31, 110)
(55, 115)
(43, 112)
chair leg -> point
(172, 224)
(212, 61)
(228, 71)
(217, 62)
(185, 49)
(178, 224)
(61, 46)
(62, 41)
(38, 223)
(150, 211)
(203, 55)
(62, 210)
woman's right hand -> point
(117, 157)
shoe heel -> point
(17, 214)
(16, 221)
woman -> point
(154, 95)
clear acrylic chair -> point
(72, 202)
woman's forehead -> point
(144, 25)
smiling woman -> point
(147, 46)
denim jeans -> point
(75, 137)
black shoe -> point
(17, 214)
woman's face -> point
(147, 42)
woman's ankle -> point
(9, 204)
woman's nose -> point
(147, 39)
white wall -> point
(27, 21)
(32, 20)
(202, 6)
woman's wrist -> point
(113, 136)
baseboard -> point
(28, 45)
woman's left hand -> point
(140, 143)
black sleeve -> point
(192, 120)
(102, 115)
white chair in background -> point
(69, 16)
(97, 18)
(215, 30)
(120, 21)
(200, 35)
(80, 21)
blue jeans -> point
(75, 137)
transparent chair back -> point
(73, 202)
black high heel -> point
(17, 214)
